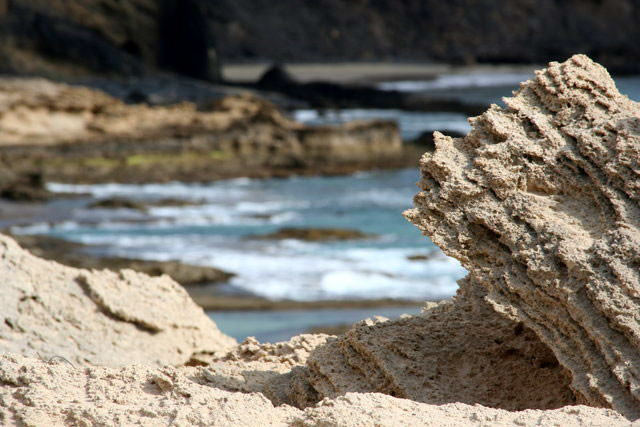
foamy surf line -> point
(181, 190)
(220, 232)
(457, 81)
(411, 123)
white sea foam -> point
(355, 284)
(411, 124)
(215, 234)
(181, 190)
(281, 274)
(36, 228)
(456, 81)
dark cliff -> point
(188, 36)
(108, 37)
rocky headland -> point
(540, 202)
(75, 134)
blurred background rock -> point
(59, 38)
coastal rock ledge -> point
(540, 202)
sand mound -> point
(373, 409)
(36, 393)
(98, 317)
(541, 203)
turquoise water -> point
(273, 326)
(221, 231)
(411, 123)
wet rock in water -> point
(98, 317)
(541, 203)
(77, 135)
(424, 257)
(326, 94)
(74, 254)
(185, 274)
(139, 205)
(28, 187)
(117, 203)
(315, 234)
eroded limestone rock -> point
(98, 317)
(541, 203)
(460, 351)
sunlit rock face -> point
(91, 317)
(456, 351)
(541, 203)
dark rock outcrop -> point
(464, 31)
(315, 234)
(106, 37)
(320, 94)
(131, 37)
(76, 255)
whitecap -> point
(455, 81)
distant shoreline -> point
(359, 72)
(216, 303)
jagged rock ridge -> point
(541, 203)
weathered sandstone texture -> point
(98, 317)
(460, 351)
(541, 203)
(35, 392)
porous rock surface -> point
(35, 392)
(460, 351)
(541, 203)
(98, 317)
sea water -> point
(223, 232)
